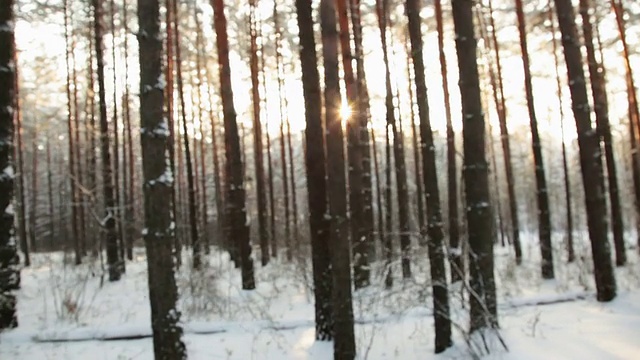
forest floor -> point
(69, 312)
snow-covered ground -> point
(557, 319)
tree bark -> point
(9, 260)
(316, 174)
(75, 227)
(113, 258)
(362, 126)
(483, 306)
(236, 210)
(343, 324)
(544, 216)
(159, 225)
(434, 229)
(590, 162)
(263, 232)
(565, 167)
(398, 147)
(191, 192)
(601, 106)
(506, 146)
(283, 105)
(455, 253)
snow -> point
(65, 313)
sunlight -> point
(345, 111)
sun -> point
(345, 111)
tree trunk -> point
(361, 272)
(483, 306)
(362, 117)
(634, 114)
(263, 232)
(455, 255)
(18, 154)
(506, 146)
(283, 114)
(170, 118)
(90, 129)
(590, 162)
(129, 180)
(52, 219)
(294, 203)
(9, 260)
(116, 140)
(235, 182)
(388, 215)
(159, 224)
(565, 167)
(70, 134)
(343, 325)
(34, 194)
(191, 195)
(544, 217)
(109, 222)
(376, 171)
(316, 174)
(223, 242)
(434, 230)
(272, 204)
(416, 152)
(398, 148)
(601, 105)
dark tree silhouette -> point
(590, 157)
(434, 230)
(483, 309)
(235, 201)
(343, 326)
(109, 222)
(601, 107)
(544, 217)
(9, 273)
(316, 173)
(158, 179)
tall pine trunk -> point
(191, 185)
(235, 199)
(544, 216)
(398, 147)
(565, 166)
(483, 306)
(430, 180)
(283, 107)
(506, 144)
(9, 260)
(316, 174)
(634, 113)
(361, 272)
(601, 106)
(263, 233)
(361, 122)
(113, 258)
(158, 179)
(590, 157)
(70, 134)
(343, 325)
(455, 253)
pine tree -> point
(235, 200)
(158, 179)
(343, 326)
(590, 157)
(9, 273)
(483, 308)
(544, 217)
